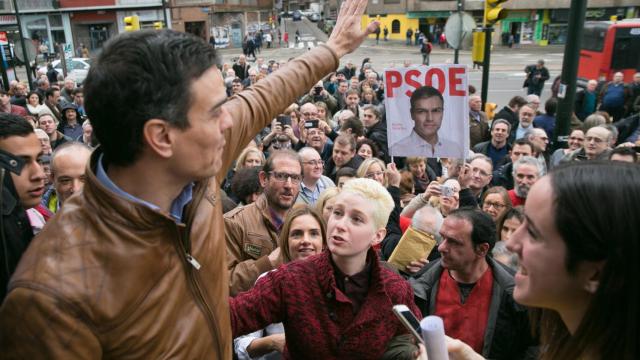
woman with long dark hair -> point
(578, 249)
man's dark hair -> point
(624, 151)
(77, 91)
(4, 92)
(14, 125)
(236, 80)
(501, 121)
(424, 92)
(50, 91)
(483, 228)
(287, 153)
(352, 92)
(523, 141)
(550, 106)
(246, 182)
(140, 76)
(355, 124)
(517, 101)
(346, 140)
(345, 171)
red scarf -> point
(467, 321)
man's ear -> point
(482, 250)
(262, 176)
(158, 136)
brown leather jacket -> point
(250, 239)
(110, 278)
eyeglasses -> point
(283, 177)
(309, 114)
(314, 163)
(373, 175)
(497, 206)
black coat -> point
(503, 176)
(507, 114)
(378, 134)
(507, 335)
(17, 233)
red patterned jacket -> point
(318, 318)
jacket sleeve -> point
(260, 306)
(255, 107)
(242, 273)
(35, 325)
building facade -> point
(539, 22)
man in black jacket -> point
(376, 130)
(510, 112)
(22, 184)
(472, 292)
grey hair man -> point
(526, 171)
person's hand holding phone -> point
(433, 189)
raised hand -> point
(348, 34)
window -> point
(395, 26)
(626, 48)
(593, 37)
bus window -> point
(626, 49)
(593, 37)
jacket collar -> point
(328, 276)
(108, 205)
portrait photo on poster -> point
(427, 110)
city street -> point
(507, 65)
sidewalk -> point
(401, 44)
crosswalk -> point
(305, 44)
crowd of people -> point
(255, 211)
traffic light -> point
(493, 12)
(131, 23)
(158, 25)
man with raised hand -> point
(134, 266)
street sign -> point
(458, 30)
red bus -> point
(609, 47)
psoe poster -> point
(427, 111)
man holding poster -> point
(435, 130)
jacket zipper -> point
(190, 268)
(184, 251)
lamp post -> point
(27, 63)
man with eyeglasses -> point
(427, 110)
(313, 182)
(251, 232)
(481, 174)
(596, 146)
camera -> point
(284, 120)
(446, 191)
(311, 124)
